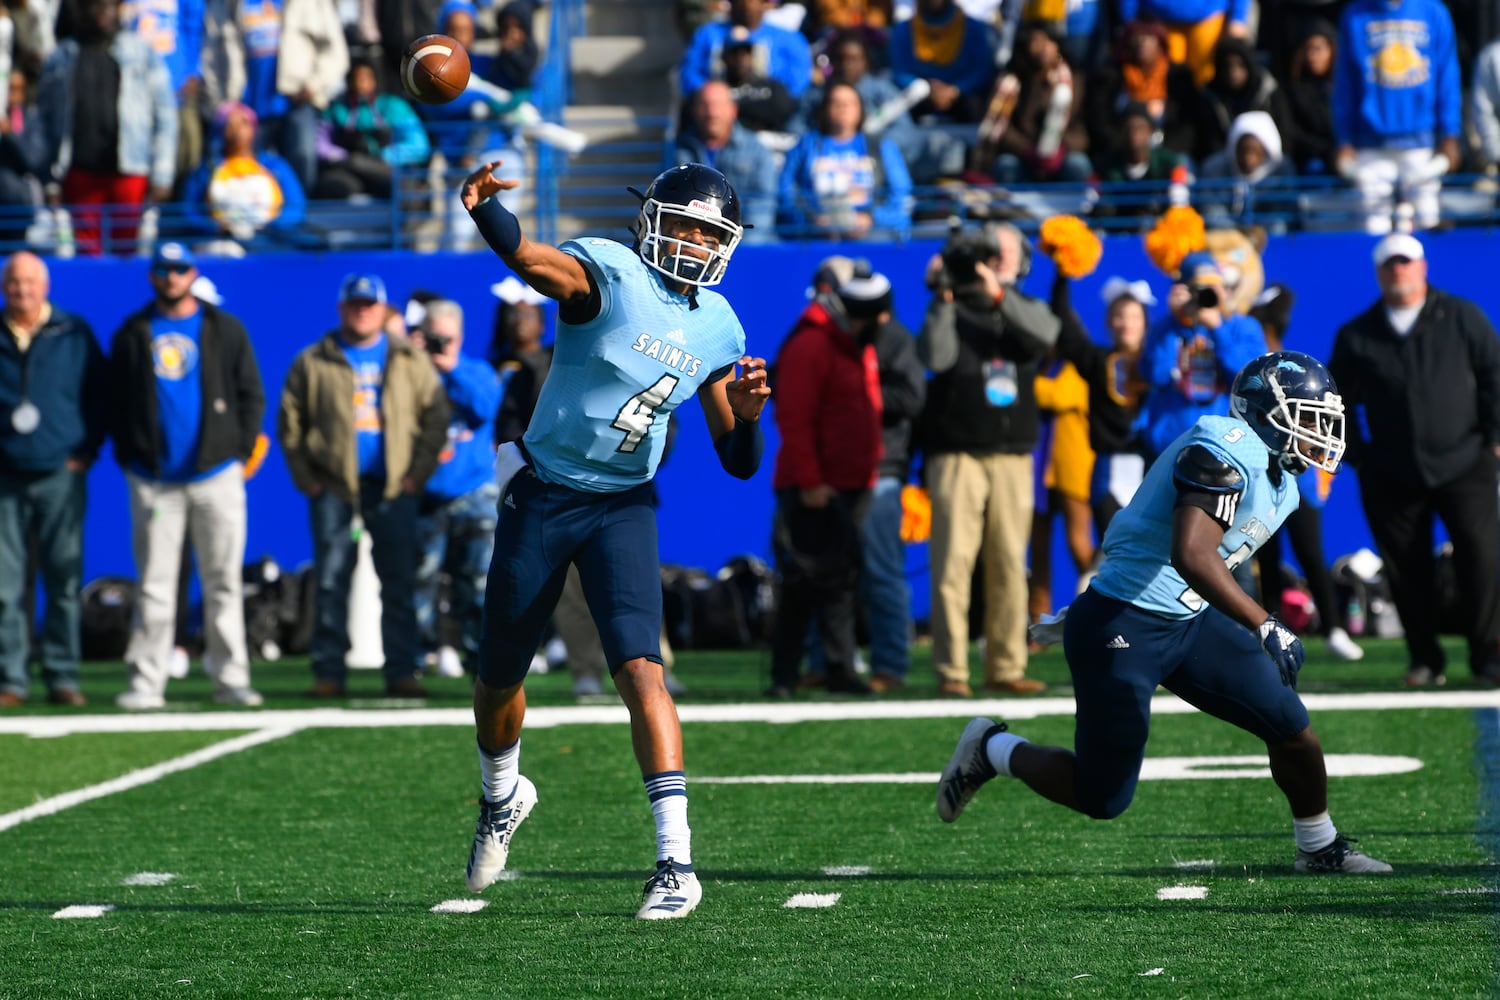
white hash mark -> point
(460, 906)
(1183, 892)
(846, 870)
(812, 900)
(149, 878)
(83, 911)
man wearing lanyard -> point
(52, 385)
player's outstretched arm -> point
(732, 406)
(547, 269)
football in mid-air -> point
(434, 69)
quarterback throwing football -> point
(1165, 610)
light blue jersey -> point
(1137, 567)
(601, 421)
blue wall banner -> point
(706, 516)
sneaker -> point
(140, 701)
(242, 696)
(449, 663)
(556, 652)
(178, 663)
(587, 686)
(884, 683)
(967, 769)
(66, 696)
(1342, 647)
(670, 893)
(1421, 675)
(497, 824)
(955, 689)
(1339, 858)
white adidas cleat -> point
(136, 700)
(1342, 647)
(497, 824)
(670, 893)
(967, 769)
(1338, 858)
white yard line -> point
(143, 776)
(770, 712)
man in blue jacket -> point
(52, 389)
(456, 526)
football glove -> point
(1284, 648)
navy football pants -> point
(611, 537)
(1118, 654)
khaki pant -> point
(979, 503)
(212, 510)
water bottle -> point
(62, 224)
(1354, 614)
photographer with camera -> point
(983, 339)
(456, 517)
(1192, 354)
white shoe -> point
(242, 696)
(140, 701)
(587, 686)
(1343, 647)
(178, 663)
(967, 769)
(1338, 858)
(675, 687)
(497, 824)
(449, 663)
(539, 664)
(556, 652)
(670, 893)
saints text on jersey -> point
(669, 355)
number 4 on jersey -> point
(639, 412)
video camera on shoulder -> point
(963, 250)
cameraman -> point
(1191, 356)
(456, 520)
(983, 339)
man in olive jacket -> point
(363, 418)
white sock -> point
(1314, 833)
(668, 793)
(499, 772)
(999, 748)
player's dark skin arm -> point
(1195, 555)
(555, 274)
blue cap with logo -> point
(362, 288)
(169, 255)
(1200, 268)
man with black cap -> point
(363, 420)
(186, 409)
(828, 411)
(1424, 366)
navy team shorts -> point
(541, 529)
(1118, 654)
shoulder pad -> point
(1198, 468)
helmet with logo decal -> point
(681, 200)
(1289, 400)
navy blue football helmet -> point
(1289, 400)
(703, 195)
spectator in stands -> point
(714, 136)
(1067, 467)
(366, 136)
(456, 526)
(1484, 107)
(1034, 131)
(953, 52)
(52, 391)
(982, 339)
(1193, 353)
(362, 422)
(23, 160)
(1397, 108)
(520, 359)
(1115, 388)
(1137, 159)
(836, 183)
(109, 117)
(1309, 97)
(780, 54)
(1303, 526)
(764, 103)
(287, 59)
(1245, 183)
(1194, 28)
(185, 410)
(1419, 372)
(828, 407)
(823, 15)
(239, 194)
(1239, 85)
(174, 28)
(1140, 73)
(516, 62)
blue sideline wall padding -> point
(706, 516)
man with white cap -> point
(1424, 366)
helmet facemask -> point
(1310, 431)
(669, 254)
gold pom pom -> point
(1072, 245)
(1176, 234)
